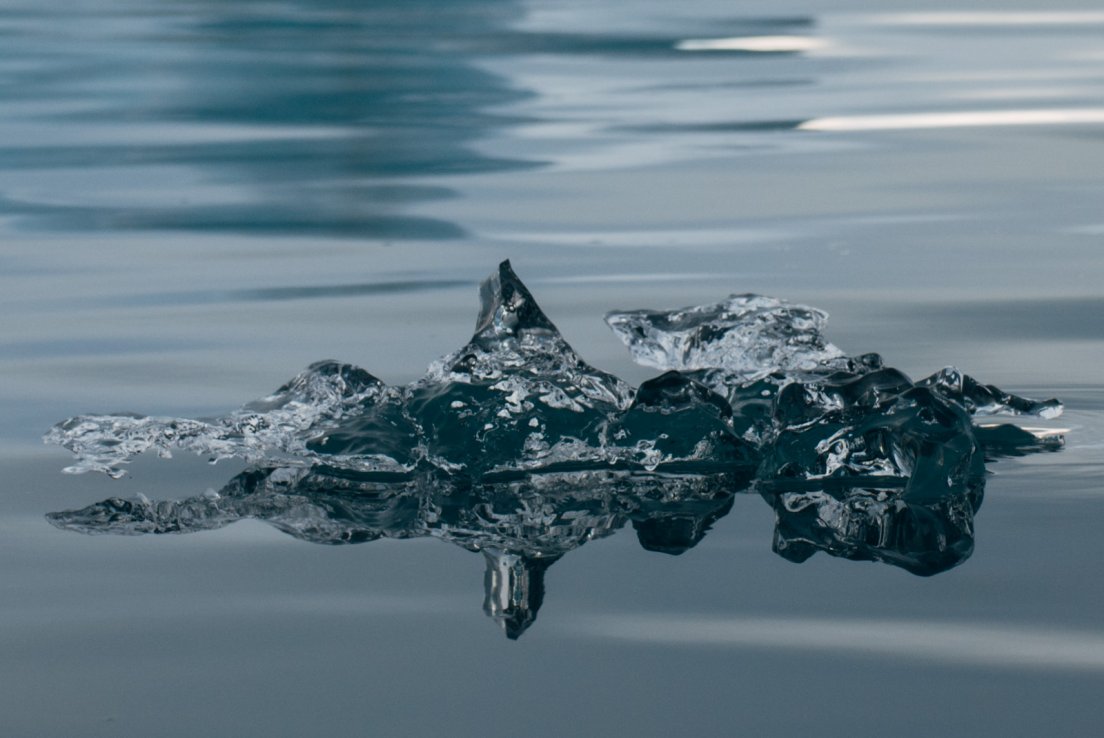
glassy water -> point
(200, 199)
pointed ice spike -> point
(513, 336)
(507, 308)
(517, 396)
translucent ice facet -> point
(522, 525)
(514, 446)
(747, 336)
(516, 396)
(985, 399)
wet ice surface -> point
(747, 336)
(517, 398)
(514, 446)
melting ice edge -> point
(515, 446)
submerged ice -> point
(516, 447)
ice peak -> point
(508, 308)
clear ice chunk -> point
(746, 336)
(525, 441)
(517, 396)
(909, 436)
(515, 447)
(814, 412)
(675, 420)
(279, 426)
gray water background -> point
(198, 199)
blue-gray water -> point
(199, 199)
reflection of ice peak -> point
(515, 589)
(276, 426)
(522, 524)
(508, 308)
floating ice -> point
(279, 426)
(747, 336)
(515, 398)
(516, 447)
(985, 399)
(751, 381)
(521, 525)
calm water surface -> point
(198, 199)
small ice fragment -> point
(748, 336)
(985, 399)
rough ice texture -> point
(275, 427)
(515, 398)
(515, 447)
(751, 382)
(746, 336)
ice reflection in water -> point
(515, 447)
